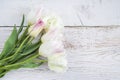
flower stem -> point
(20, 63)
(16, 51)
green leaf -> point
(25, 60)
(19, 31)
(10, 43)
(30, 49)
(24, 34)
(26, 52)
(21, 26)
(31, 64)
(3, 73)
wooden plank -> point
(74, 13)
(93, 54)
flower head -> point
(34, 15)
(57, 62)
(36, 28)
(52, 22)
(51, 47)
(52, 35)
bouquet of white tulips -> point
(42, 37)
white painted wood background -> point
(73, 12)
(93, 54)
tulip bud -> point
(51, 47)
(35, 29)
(57, 62)
(52, 35)
(34, 16)
(52, 22)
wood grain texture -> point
(73, 12)
(93, 54)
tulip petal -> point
(57, 63)
(51, 47)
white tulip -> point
(35, 29)
(34, 15)
(51, 47)
(52, 22)
(57, 62)
(52, 35)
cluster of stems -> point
(21, 53)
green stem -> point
(29, 42)
(23, 35)
(21, 46)
(39, 61)
(20, 63)
(16, 51)
(2, 74)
